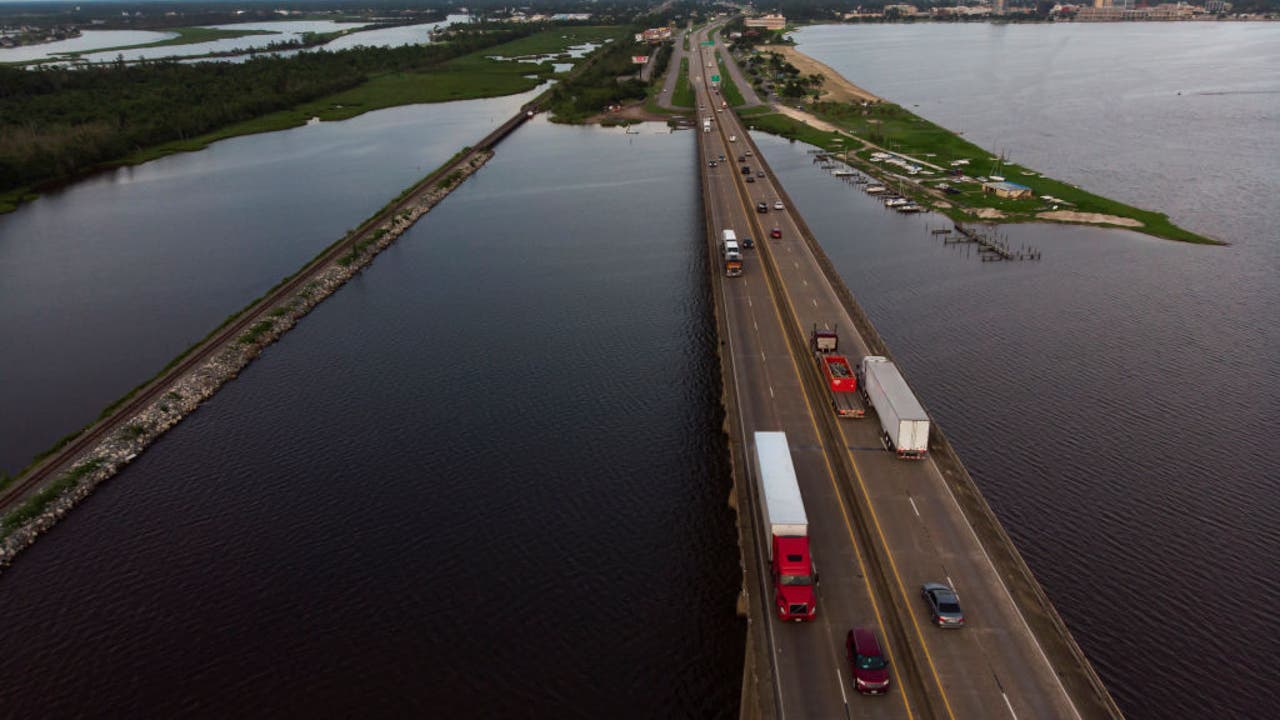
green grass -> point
(784, 126)
(682, 96)
(37, 503)
(728, 88)
(556, 40)
(898, 130)
(468, 77)
(256, 332)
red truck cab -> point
(794, 579)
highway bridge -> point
(879, 526)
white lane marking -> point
(805, 283)
(755, 325)
(1010, 706)
(951, 584)
(1016, 610)
(815, 302)
(771, 391)
(762, 358)
(796, 264)
(913, 505)
(748, 302)
(843, 696)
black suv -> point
(762, 207)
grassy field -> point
(554, 41)
(732, 94)
(467, 77)
(897, 130)
(682, 96)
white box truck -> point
(904, 426)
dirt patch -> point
(806, 118)
(636, 112)
(834, 86)
(988, 213)
(1081, 217)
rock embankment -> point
(184, 394)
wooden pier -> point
(989, 249)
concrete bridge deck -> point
(880, 527)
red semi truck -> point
(837, 373)
(792, 570)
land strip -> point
(944, 172)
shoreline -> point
(125, 435)
(939, 154)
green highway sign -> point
(715, 78)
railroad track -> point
(62, 459)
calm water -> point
(110, 278)
(485, 479)
(88, 40)
(1117, 402)
(410, 540)
(282, 31)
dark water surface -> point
(106, 281)
(485, 479)
(1117, 403)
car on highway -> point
(742, 158)
(944, 605)
(867, 664)
(759, 173)
(747, 242)
(775, 233)
(711, 163)
(746, 170)
(762, 207)
(750, 179)
(777, 205)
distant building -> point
(903, 10)
(768, 22)
(1009, 190)
(997, 7)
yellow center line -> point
(875, 519)
(831, 476)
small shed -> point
(1010, 190)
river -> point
(485, 479)
(107, 280)
(1116, 401)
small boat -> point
(896, 202)
(874, 189)
(844, 173)
(909, 208)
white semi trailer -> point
(904, 425)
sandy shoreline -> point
(835, 87)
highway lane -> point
(812, 678)
(991, 668)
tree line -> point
(56, 123)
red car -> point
(775, 233)
(867, 664)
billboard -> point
(639, 59)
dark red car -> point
(775, 233)
(867, 663)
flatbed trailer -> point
(837, 374)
